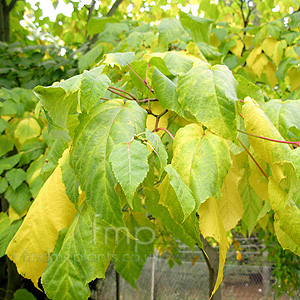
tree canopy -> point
(126, 120)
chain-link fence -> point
(190, 281)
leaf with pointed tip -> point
(106, 125)
(165, 91)
(181, 202)
(130, 166)
(119, 59)
(202, 160)
(209, 94)
(161, 212)
(15, 177)
(258, 123)
(287, 216)
(211, 225)
(160, 150)
(199, 28)
(285, 116)
(82, 253)
(231, 205)
(92, 87)
(131, 255)
(50, 212)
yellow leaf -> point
(290, 52)
(274, 49)
(270, 71)
(14, 216)
(211, 225)
(294, 76)
(239, 255)
(231, 205)
(35, 240)
(214, 41)
(238, 48)
(248, 41)
(253, 56)
(257, 122)
(259, 64)
(27, 129)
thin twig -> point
(253, 158)
(111, 87)
(271, 140)
(146, 100)
(166, 130)
(158, 118)
(119, 94)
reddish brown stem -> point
(104, 99)
(122, 91)
(119, 94)
(166, 130)
(146, 100)
(253, 158)
(271, 140)
(241, 116)
(144, 81)
(241, 100)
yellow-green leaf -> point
(27, 129)
(35, 240)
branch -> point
(114, 8)
(10, 6)
(90, 9)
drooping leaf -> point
(3, 184)
(9, 162)
(140, 227)
(22, 294)
(209, 94)
(82, 253)
(202, 160)
(287, 216)
(19, 197)
(130, 166)
(211, 225)
(199, 28)
(160, 150)
(119, 59)
(231, 205)
(106, 125)
(180, 202)
(15, 177)
(161, 212)
(258, 123)
(35, 240)
(92, 87)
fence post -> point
(266, 278)
(153, 274)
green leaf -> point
(285, 116)
(9, 162)
(6, 145)
(199, 28)
(23, 294)
(257, 122)
(169, 31)
(92, 87)
(3, 184)
(165, 91)
(119, 59)
(19, 198)
(7, 232)
(130, 166)
(202, 160)
(183, 204)
(209, 94)
(54, 154)
(131, 255)
(97, 24)
(82, 253)
(27, 129)
(15, 177)
(246, 88)
(69, 178)
(178, 63)
(107, 124)
(161, 212)
(31, 149)
(160, 150)
(3, 125)
(89, 58)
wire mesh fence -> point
(190, 281)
